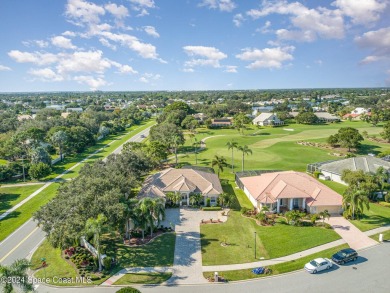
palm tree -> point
(382, 177)
(157, 210)
(354, 201)
(145, 206)
(245, 151)
(220, 162)
(196, 144)
(195, 198)
(175, 141)
(16, 271)
(59, 138)
(323, 215)
(226, 199)
(95, 226)
(231, 146)
(130, 214)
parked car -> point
(344, 256)
(317, 265)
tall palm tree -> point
(354, 201)
(157, 210)
(16, 271)
(231, 146)
(196, 144)
(220, 162)
(59, 139)
(381, 177)
(95, 226)
(145, 206)
(130, 214)
(175, 142)
(245, 151)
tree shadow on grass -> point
(365, 149)
(5, 201)
(14, 214)
(375, 220)
(228, 188)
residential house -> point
(267, 119)
(356, 113)
(78, 110)
(201, 117)
(326, 117)
(185, 182)
(332, 170)
(25, 117)
(222, 122)
(288, 190)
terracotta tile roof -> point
(181, 180)
(269, 187)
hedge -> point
(211, 208)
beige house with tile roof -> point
(288, 190)
(185, 182)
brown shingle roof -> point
(181, 180)
(269, 187)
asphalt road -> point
(370, 273)
(25, 239)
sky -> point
(138, 45)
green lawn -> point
(56, 265)
(21, 215)
(386, 236)
(282, 268)
(271, 242)
(375, 217)
(143, 278)
(159, 252)
(10, 196)
(338, 187)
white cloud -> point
(265, 28)
(39, 43)
(378, 41)
(69, 34)
(142, 6)
(107, 44)
(83, 12)
(145, 50)
(46, 74)
(222, 5)
(238, 19)
(203, 56)
(4, 68)
(230, 69)
(117, 11)
(35, 57)
(93, 82)
(267, 57)
(125, 69)
(309, 23)
(151, 31)
(149, 77)
(62, 42)
(89, 61)
(361, 12)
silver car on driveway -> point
(318, 264)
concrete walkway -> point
(355, 238)
(377, 230)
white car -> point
(318, 264)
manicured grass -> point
(10, 196)
(3, 162)
(338, 187)
(143, 278)
(386, 236)
(21, 215)
(271, 242)
(56, 265)
(158, 253)
(273, 148)
(375, 217)
(282, 268)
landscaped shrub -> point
(212, 208)
(107, 263)
(387, 197)
(244, 210)
(208, 201)
(317, 174)
(128, 290)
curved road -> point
(26, 238)
(370, 273)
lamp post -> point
(255, 244)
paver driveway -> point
(355, 238)
(187, 265)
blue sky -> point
(113, 45)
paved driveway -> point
(352, 235)
(187, 266)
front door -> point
(295, 203)
(184, 199)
